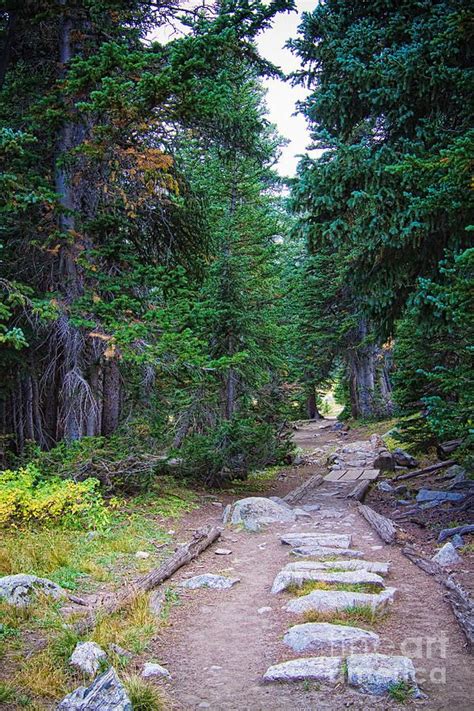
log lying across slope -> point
(297, 494)
(360, 489)
(461, 602)
(381, 524)
(201, 540)
(425, 470)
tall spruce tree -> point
(389, 199)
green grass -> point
(143, 695)
(78, 559)
(84, 560)
(401, 691)
(310, 586)
(257, 482)
(356, 615)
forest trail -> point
(220, 642)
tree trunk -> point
(111, 397)
(362, 373)
(312, 407)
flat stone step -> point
(336, 540)
(323, 669)
(327, 638)
(372, 566)
(337, 600)
(287, 578)
(375, 673)
(326, 552)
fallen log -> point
(448, 532)
(425, 470)
(382, 525)
(293, 496)
(109, 604)
(461, 602)
(359, 491)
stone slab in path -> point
(288, 578)
(209, 580)
(323, 669)
(329, 639)
(375, 673)
(334, 600)
(254, 511)
(326, 552)
(373, 566)
(336, 540)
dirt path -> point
(219, 643)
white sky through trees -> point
(282, 97)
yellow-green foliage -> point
(26, 498)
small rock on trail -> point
(209, 580)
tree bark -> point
(111, 397)
(382, 525)
(362, 373)
(293, 496)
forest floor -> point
(217, 644)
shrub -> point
(232, 449)
(26, 498)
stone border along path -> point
(227, 648)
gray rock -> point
(403, 459)
(459, 478)
(301, 513)
(323, 669)
(256, 511)
(330, 600)
(208, 580)
(372, 566)
(86, 657)
(156, 602)
(223, 551)
(226, 514)
(326, 552)
(264, 610)
(375, 673)
(317, 539)
(384, 461)
(425, 495)
(20, 589)
(455, 471)
(311, 507)
(150, 669)
(330, 639)
(384, 486)
(457, 541)
(280, 501)
(297, 578)
(447, 556)
(106, 693)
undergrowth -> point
(310, 586)
(143, 695)
(361, 614)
